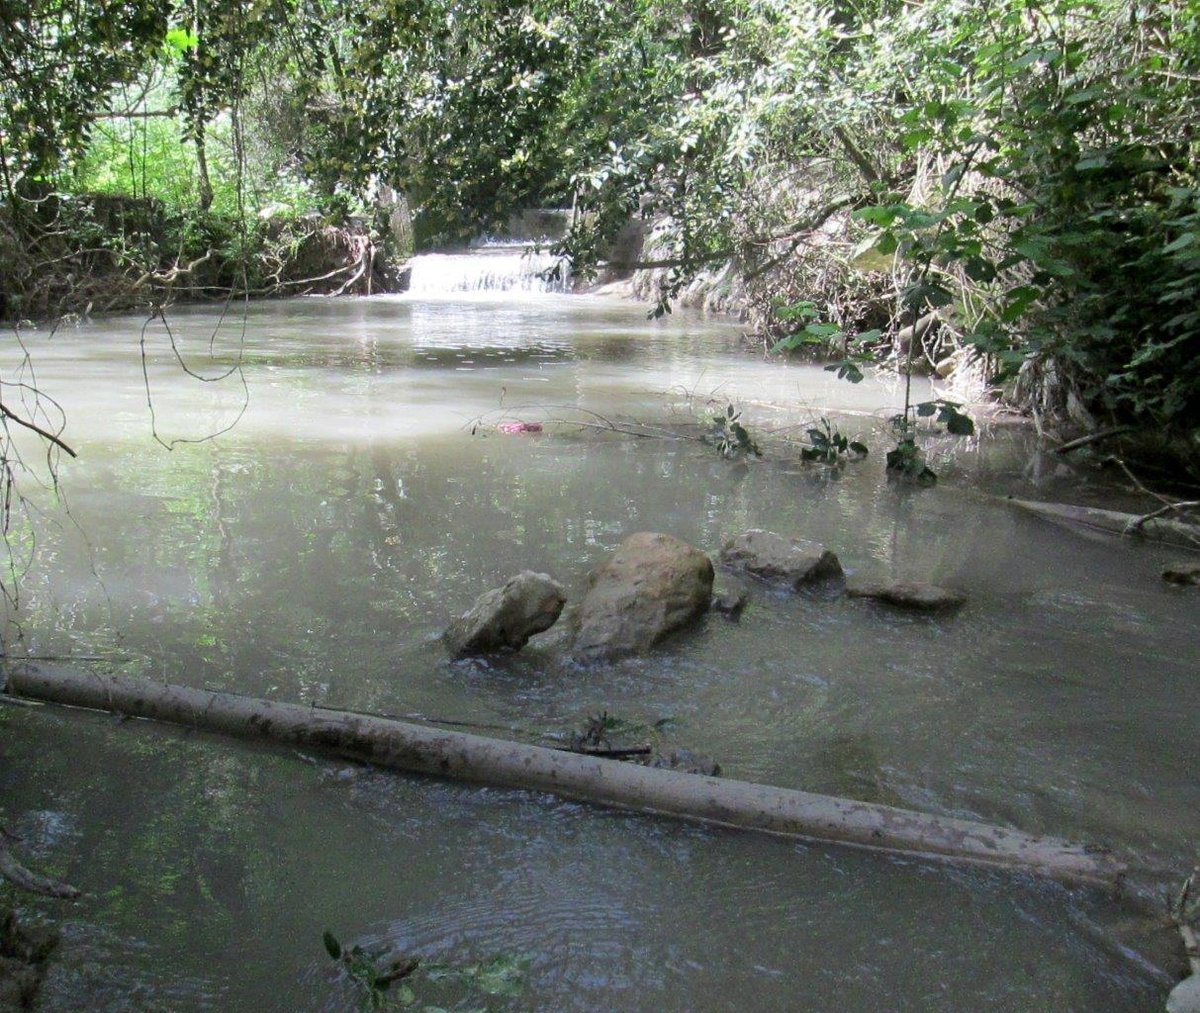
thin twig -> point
(1167, 505)
(1099, 434)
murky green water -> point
(315, 552)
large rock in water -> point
(772, 557)
(504, 618)
(653, 584)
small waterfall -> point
(497, 269)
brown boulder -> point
(771, 557)
(654, 584)
(504, 618)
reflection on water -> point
(316, 552)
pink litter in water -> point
(519, 427)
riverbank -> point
(92, 254)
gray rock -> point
(911, 594)
(729, 603)
(771, 557)
(504, 618)
(654, 584)
(1185, 997)
(1182, 573)
(687, 762)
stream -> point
(359, 496)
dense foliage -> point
(1009, 184)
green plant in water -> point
(602, 728)
(826, 444)
(501, 976)
(373, 980)
(730, 436)
(829, 446)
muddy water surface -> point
(315, 551)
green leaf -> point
(927, 293)
(332, 946)
(822, 331)
(959, 424)
(181, 40)
(1086, 95)
(1184, 241)
(846, 370)
(882, 215)
(803, 310)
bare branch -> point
(44, 434)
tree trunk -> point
(203, 178)
(389, 743)
(1157, 529)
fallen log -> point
(1154, 528)
(403, 746)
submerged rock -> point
(911, 594)
(504, 618)
(1182, 573)
(774, 558)
(687, 762)
(654, 584)
(24, 952)
(729, 603)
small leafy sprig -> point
(375, 981)
(731, 437)
(829, 446)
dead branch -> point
(16, 873)
(34, 427)
(1096, 437)
(610, 753)
(1114, 522)
(1137, 525)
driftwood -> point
(403, 746)
(1149, 526)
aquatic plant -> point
(374, 976)
(730, 437)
